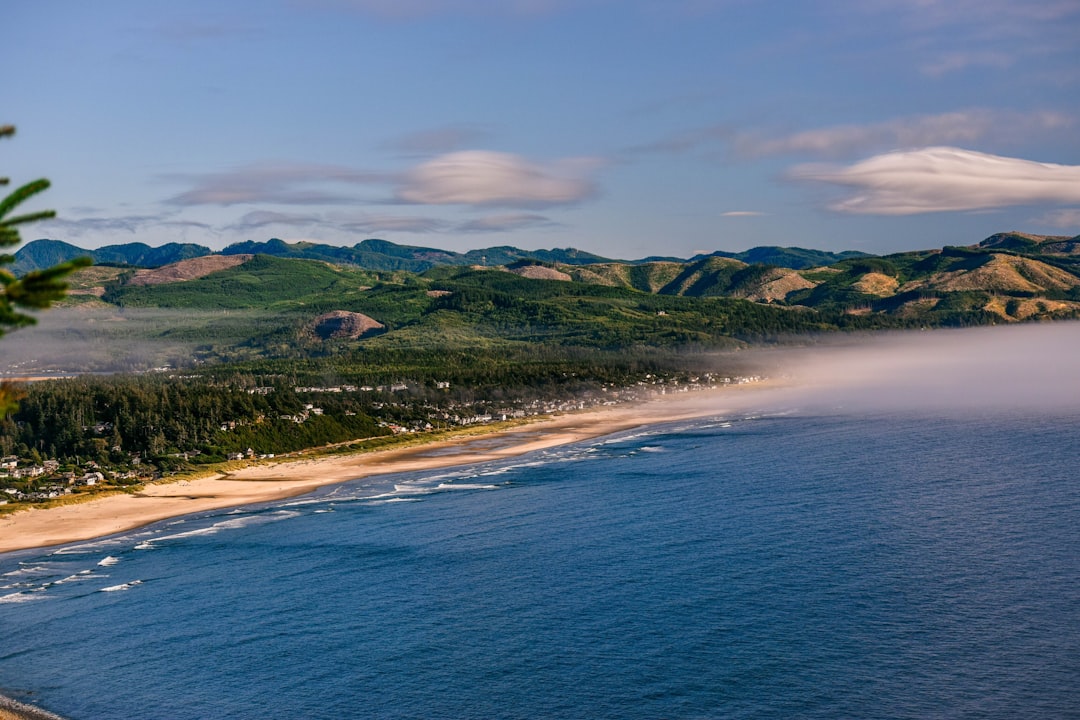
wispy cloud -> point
(844, 139)
(486, 178)
(264, 218)
(741, 213)
(369, 224)
(350, 223)
(955, 35)
(418, 9)
(89, 225)
(506, 223)
(966, 127)
(284, 184)
(1066, 219)
(955, 61)
(438, 140)
(943, 179)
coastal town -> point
(30, 478)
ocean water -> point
(773, 565)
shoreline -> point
(112, 514)
(12, 709)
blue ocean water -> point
(768, 566)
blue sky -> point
(623, 127)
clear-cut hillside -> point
(342, 324)
(187, 269)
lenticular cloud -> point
(938, 179)
(482, 177)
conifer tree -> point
(36, 290)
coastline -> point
(11, 709)
(36, 528)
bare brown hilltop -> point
(188, 269)
(344, 324)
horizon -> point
(696, 125)
(486, 247)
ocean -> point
(746, 565)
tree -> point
(36, 290)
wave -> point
(124, 586)
(385, 501)
(86, 548)
(20, 597)
(234, 523)
(465, 486)
(108, 561)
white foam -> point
(28, 570)
(85, 548)
(465, 486)
(110, 560)
(125, 586)
(20, 597)
(77, 577)
(235, 523)
(408, 490)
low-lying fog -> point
(80, 340)
(1036, 367)
(1033, 367)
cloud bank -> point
(940, 179)
(947, 372)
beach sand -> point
(265, 483)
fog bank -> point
(1029, 367)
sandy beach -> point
(265, 483)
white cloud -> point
(742, 213)
(940, 179)
(483, 177)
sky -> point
(626, 128)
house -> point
(90, 479)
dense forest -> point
(131, 428)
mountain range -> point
(381, 255)
(246, 306)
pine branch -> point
(29, 217)
(40, 288)
(19, 196)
